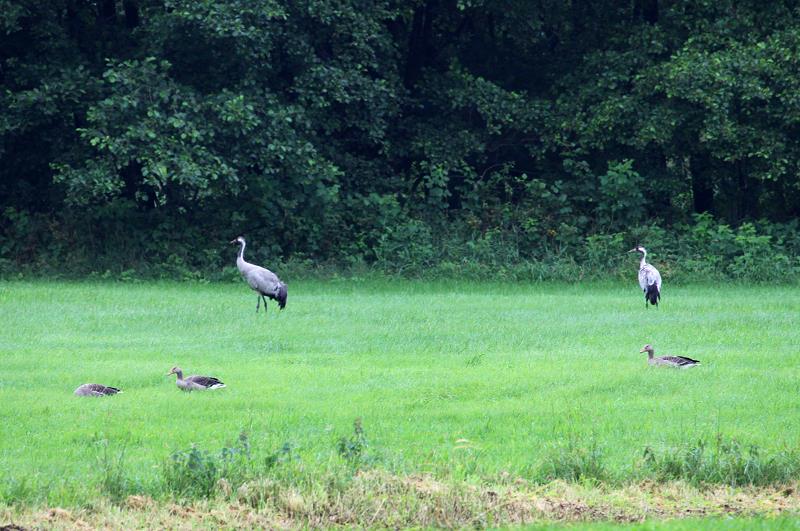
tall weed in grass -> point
(195, 473)
(576, 459)
(114, 481)
(198, 474)
(19, 490)
(724, 462)
(352, 449)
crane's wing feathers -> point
(654, 277)
(649, 275)
(262, 280)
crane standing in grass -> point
(649, 278)
(262, 281)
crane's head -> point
(638, 249)
(239, 240)
(175, 370)
(647, 348)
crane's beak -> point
(632, 251)
(643, 350)
(233, 241)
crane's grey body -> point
(679, 362)
(93, 389)
(649, 278)
(261, 280)
(195, 383)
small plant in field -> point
(113, 481)
(574, 461)
(476, 359)
(195, 473)
(281, 455)
(20, 491)
(191, 473)
(727, 462)
(352, 448)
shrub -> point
(530, 243)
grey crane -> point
(195, 383)
(680, 362)
(649, 278)
(262, 281)
(93, 389)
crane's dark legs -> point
(265, 305)
(258, 303)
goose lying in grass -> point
(195, 383)
(92, 389)
(681, 362)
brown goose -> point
(93, 389)
(195, 383)
(680, 362)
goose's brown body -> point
(680, 362)
(93, 389)
(195, 382)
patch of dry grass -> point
(378, 499)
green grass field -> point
(456, 380)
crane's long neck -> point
(179, 374)
(644, 259)
(240, 257)
(650, 354)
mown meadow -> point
(462, 383)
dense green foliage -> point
(140, 135)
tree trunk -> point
(131, 13)
(419, 43)
(701, 168)
(646, 10)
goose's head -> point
(175, 370)
(638, 249)
(238, 241)
(647, 348)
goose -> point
(649, 278)
(93, 389)
(680, 362)
(195, 383)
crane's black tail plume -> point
(652, 294)
(281, 296)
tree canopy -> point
(349, 128)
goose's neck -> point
(644, 259)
